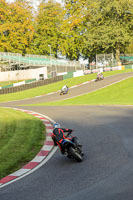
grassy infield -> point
(21, 135)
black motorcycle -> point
(72, 150)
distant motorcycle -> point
(99, 78)
(71, 150)
(62, 92)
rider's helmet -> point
(64, 86)
(56, 125)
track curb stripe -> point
(45, 150)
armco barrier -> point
(7, 86)
(31, 85)
(29, 81)
(128, 66)
(68, 75)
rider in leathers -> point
(58, 136)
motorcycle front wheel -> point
(75, 155)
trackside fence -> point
(31, 85)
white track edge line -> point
(51, 153)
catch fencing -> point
(109, 60)
(105, 60)
(126, 59)
(17, 61)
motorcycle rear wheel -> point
(75, 155)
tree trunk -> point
(118, 56)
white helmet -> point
(56, 125)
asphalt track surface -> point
(106, 172)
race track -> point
(106, 172)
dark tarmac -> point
(106, 172)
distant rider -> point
(64, 88)
(99, 75)
(59, 134)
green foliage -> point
(104, 26)
(72, 29)
(81, 27)
(16, 27)
(47, 31)
(111, 27)
(4, 11)
(129, 48)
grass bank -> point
(21, 137)
(117, 94)
(5, 83)
(54, 86)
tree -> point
(110, 28)
(4, 31)
(129, 49)
(103, 26)
(73, 28)
(17, 29)
(47, 30)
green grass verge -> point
(5, 83)
(21, 137)
(117, 94)
(54, 86)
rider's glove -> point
(71, 130)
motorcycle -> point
(71, 150)
(64, 91)
(99, 78)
